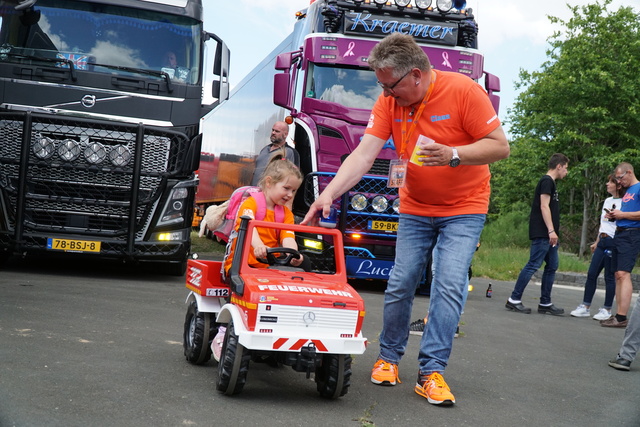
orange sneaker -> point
(384, 373)
(434, 388)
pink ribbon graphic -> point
(349, 51)
(446, 62)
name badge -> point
(397, 173)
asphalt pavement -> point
(101, 345)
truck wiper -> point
(69, 62)
(139, 71)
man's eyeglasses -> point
(390, 88)
(618, 178)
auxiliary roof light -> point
(380, 2)
(402, 3)
(423, 4)
(444, 6)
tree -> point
(584, 103)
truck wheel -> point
(334, 376)
(199, 330)
(234, 364)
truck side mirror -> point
(491, 82)
(492, 85)
(284, 61)
(220, 86)
(281, 85)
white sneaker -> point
(216, 344)
(603, 314)
(581, 311)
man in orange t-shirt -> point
(446, 133)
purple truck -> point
(318, 80)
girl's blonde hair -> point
(279, 168)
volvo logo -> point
(88, 101)
(309, 317)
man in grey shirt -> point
(279, 133)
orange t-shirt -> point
(269, 236)
(457, 113)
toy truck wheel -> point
(334, 376)
(234, 364)
(199, 330)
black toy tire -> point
(234, 364)
(199, 330)
(333, 378)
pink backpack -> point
(237, 197)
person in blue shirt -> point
(627, 242)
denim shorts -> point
(627, 241)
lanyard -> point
(406, 135)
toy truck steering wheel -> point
(280, 256)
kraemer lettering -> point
(358, 23)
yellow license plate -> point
(383, 226)
(72, 245)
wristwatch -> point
(455, 159)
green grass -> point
(505, 263)
(202, 245)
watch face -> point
(454, 162)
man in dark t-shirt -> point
(544, 224)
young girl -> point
(279, 183)
(602, 250)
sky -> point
(512, 34)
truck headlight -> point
(120, 155)
(174, 209)
(359, 202)
(380, 203)
(44, 147)
(95, 153)
(396, 205)
(69, 150)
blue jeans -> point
(600, 260)
(457, 237)
(541, 250)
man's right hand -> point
(322, 204)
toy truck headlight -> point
(44, 147)
(423, 4)
(359, 202)
(380, 204)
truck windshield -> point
(90, 34)
(351, 87)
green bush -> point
(507, 230)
